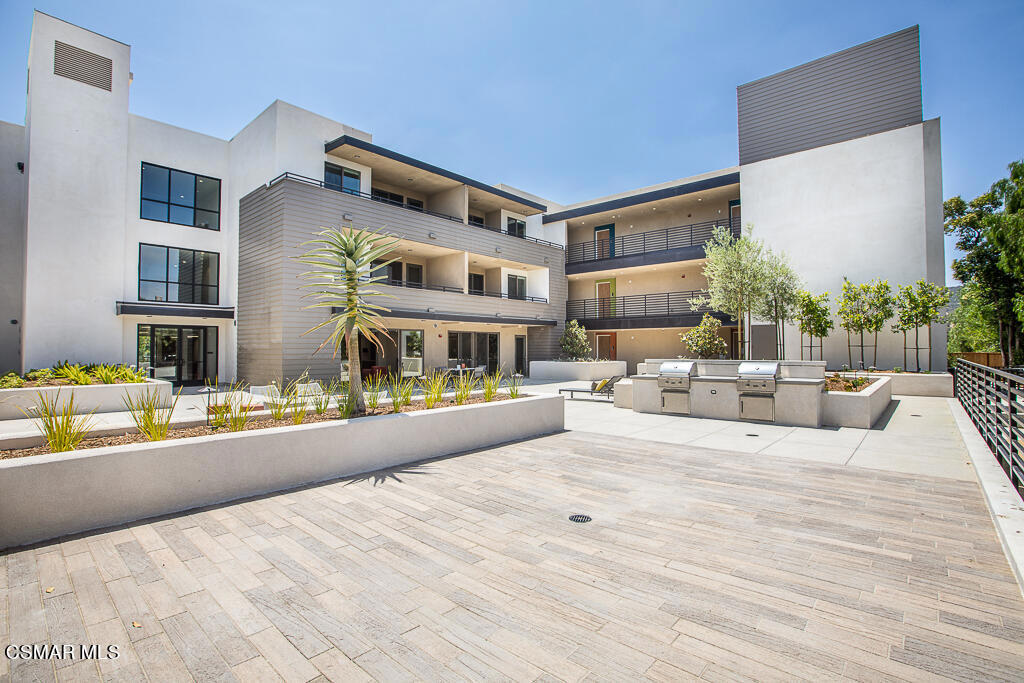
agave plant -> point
(108, 374)
(130, 374)
(491, 385)
(63, 429)
(150, 414)
(342, 281)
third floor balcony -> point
(634, 311)
(679, 243)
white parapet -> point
(90, 398)
(577, 370)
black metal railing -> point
(994, 400)
(384, 200)
(644, 242)
(420, 285)
(639, 305)
(506, 295)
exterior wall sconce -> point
(497, 249)
(346, 216)
(432, 235)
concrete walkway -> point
(917, 436)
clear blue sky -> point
(570, 100)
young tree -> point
(932, 301)
(703, 341)
(780, 298)
(906, 316)
(880, 303)
(574, 341)
(814, 318)
(735, 273)
(853, 315)
(919, 305)
(342, 282)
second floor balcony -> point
(657, 309)
(678, 243)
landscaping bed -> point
(839, 383)
(260, 422)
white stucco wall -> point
(12, 243)
(865, 208)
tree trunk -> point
(1002, 347)
(917, 349)
(849, 348)
(874, 362)
(862, 349)
(802, 344)
(782, 335)
(929, 347)
(355, 375)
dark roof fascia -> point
(463, 317)
(173, 310)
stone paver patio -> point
(721, 565)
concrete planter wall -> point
(46, 496)
(859, 409)
(100, 398)
(916, 384)
(583, 370)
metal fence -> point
(994, 400)
(639, 305)
(644, 242)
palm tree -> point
(342, 281)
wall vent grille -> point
(82, 66)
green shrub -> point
(73, 373)
(238, 413)
(703, 341)
(129, 374)
(39, 375)
(63, 429)
(491, 385)
(108, 374)
(574, 342)
(150, 415)
(400, 389)
(346, 404)
(322, 401)
(11, 381)
(373, 385)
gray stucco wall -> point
(869, 88)
(274, 221)
(12, 243)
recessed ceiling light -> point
(409, 179)
(357, 156)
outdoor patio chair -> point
(479, 370)
(602, 389)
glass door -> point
(183, 355)
(165, 353)
(412, 353)
(521, 354)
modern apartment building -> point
(176, 250)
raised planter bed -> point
(859, 409)
(45, 496)
(916, 383)
(588, 370)
(99, 398)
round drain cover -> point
(579, 519)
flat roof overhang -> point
(427, 175)
(174, 310)
(639, 323)
(464, 318)
(651, 258)
(645, 197)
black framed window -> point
(341, 178)
(177, 275)
(174, 196)
(414, 203)
(516, 227)
(476, 282)
(414, 274)
(476, 220)
(386, 196)
(516, 287)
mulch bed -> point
(262, 422)
(61, 382)
(837, 383)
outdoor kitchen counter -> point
(798, 400)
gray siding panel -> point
(275, 220)
(869, 88)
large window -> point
(516, 287)
(339, 178)
(473, 349)
(516, 227)
(178, 197)
(178, 275)
(387, 196)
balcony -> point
(659, 309)
(680, 243)
(458, 290)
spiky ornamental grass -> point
(342, 281)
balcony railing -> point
(644, 242)
(994, 400)
(638, 305)
(506, 295)
(385, 200)
(420, 285)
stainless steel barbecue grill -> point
(756, 387)
(674, 382)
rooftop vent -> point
(82, 66)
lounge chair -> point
(599, 389)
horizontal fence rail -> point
(420, 285)
(384, 200)
(639, 305)
(994, 400)
(644, 242)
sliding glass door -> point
(183, 355)
(473, 350)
